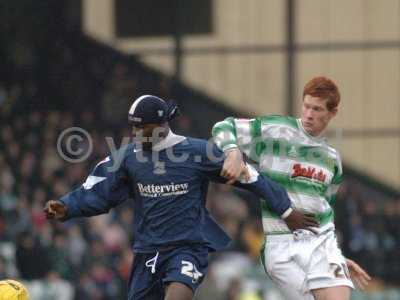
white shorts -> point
(302, 262)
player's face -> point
(315, 115)
(149, 134)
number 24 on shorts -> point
(189, 269)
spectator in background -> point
(31, 258)
(3, 96)
(121, 89)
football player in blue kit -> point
(167, 176)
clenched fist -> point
(55, 209)
(234, 167)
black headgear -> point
(151, 109)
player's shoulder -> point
(331, 151)
(200, 146)
(279, 120)
(119, 154)
(125, 151)
(196, 143)
(334, 158)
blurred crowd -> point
(73, 81)
(369, 223)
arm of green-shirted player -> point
(234, 137)
(337, 180)
(333, 189)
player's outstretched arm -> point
(277, 198)
(273, 193)
(234, 137)
(106, 187)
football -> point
(13, 290)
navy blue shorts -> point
(151, 272)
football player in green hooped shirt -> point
(294, 153)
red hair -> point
(324, 88)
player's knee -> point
(178, 291)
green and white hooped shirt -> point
(308, 168)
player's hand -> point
(357, 274)
(55, 209)
(234, 167)
(244, 174)
(297, 220)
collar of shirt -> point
(170, 140)
(319, 139)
